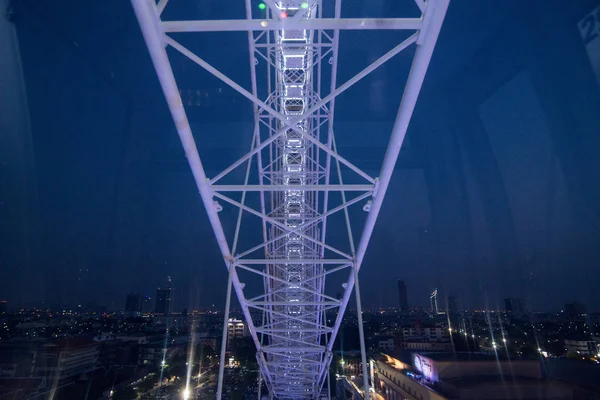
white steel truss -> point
(295, 156)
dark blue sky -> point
(496, 192)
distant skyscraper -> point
(402, 296)
(515, 306)
(3, 307)
(575, 309)
(164, 301)
(452, 306)
(133, 303)
(146, 304)
(433, 302)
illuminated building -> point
(433, 302)
(581, 345)
(164, 301)
(67, 358)
(444, 376)
(433, 332)
(155, 353)
(236, 328)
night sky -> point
(496, 192)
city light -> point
(186, 394)
(262, 6)
(304, 5)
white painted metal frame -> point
(293, 148)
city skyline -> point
(475, 226)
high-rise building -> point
(402, 296)
(164, 301)
(236, 328)
(575, 309)
(146, 304)
(3, 307)
(133, 303)
(515, 306)
(433, 302)
(452, 306)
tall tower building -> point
(452, 305)
(402, 296)
(164, 301)
(133, 303)
(433, 302)
(146, 304)
(516, 306)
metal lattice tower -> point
(293, 64)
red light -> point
(284, 14)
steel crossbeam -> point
(298, 174)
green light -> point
(304, 5)
(262, 6)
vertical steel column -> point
(145, 11)
(294, 361)
(361, 333)
(328, 384)
(433, 19)
(224, 336)
(152, 31)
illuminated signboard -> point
(589, 28)
(425, 366)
